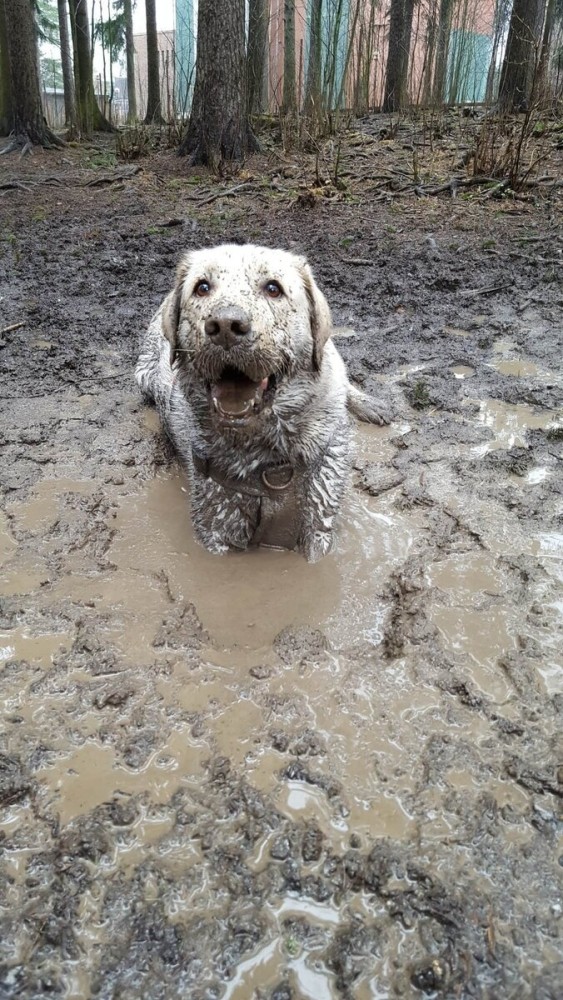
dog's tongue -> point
(237, 397)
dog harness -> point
(279, 516)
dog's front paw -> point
(367, 409)
(212, 542)
(317, 545)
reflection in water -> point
(509, 423)
(463, 371)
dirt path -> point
(246, 776)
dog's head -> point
(243, 319)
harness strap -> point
(275, 485)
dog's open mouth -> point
(236, 398)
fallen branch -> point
(489, 290)
(225, 194)
(495, 190)
(197, 195)
(14, 144)
(454, 183)
(524, 256)
(123, 175)
(13, 326)
(10, 185)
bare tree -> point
(154, 113)
(130, 57)
(442, 48)
(24, 115)
(88, 114)
(400, 29)
(288, 98)
(313, 89)
(429, 53)
(337, 51)
(218, 129)
(546, 42)
(6, 112)
(522, 53)
(257, 56)
(502, 15)
(66, 63)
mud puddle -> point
(261, 629)
(510, 423)
(509, 361)
(174, 658)
(245, 776)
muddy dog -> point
(255, 398)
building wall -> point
(167, 72)
(186, 16)
(359, 65)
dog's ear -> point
(319, 312)
(173, 307)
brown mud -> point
(247, 777)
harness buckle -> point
(278, 477)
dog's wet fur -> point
(240, 365)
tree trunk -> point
(111, 59)
(444, 27)
(257, 57)
(400, 29)
(313, 90)
(429, 49)
(546, 43)
(26, 119)
(218, 129)
(154, 113)
(103, 45)
(130, 54)
(88, 114)
(66, 62)
(288, 98)
(519, 69)
(500, 23)
(6, 110)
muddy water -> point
(510, 422)
(243, 601)
(269, 643)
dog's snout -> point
(228, 327)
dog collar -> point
(275, 485)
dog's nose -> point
(228, 327)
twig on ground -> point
(10, 185)
(489, 290)
(495, 190)
(13, 326)
(524, 256)
(122, 175)
(225, 194)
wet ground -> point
(247, 777)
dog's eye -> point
(202, 288)
(273, 289)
